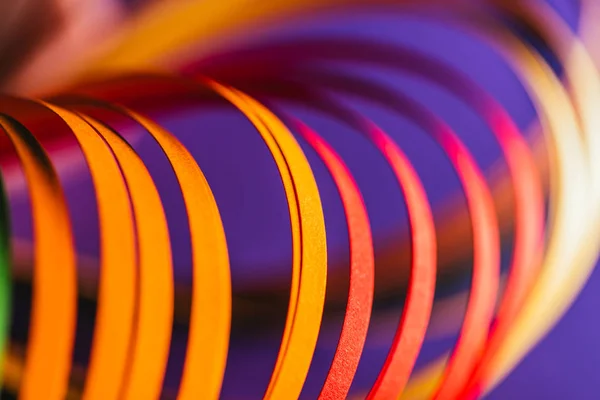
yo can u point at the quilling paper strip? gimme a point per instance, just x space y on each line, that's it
151 340
303 326
362 271
54 305
118 269
211 299
5 277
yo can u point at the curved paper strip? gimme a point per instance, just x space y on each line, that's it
210 320
51 337
417 309
118 268
151 342
5 278
486 269
362 271
310 254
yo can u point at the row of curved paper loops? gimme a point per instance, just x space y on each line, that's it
133 326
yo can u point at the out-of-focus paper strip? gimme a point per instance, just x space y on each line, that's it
54 306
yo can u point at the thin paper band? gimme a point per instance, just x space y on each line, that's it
52 333
152 338
310 254
362 271
118 269
5 277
